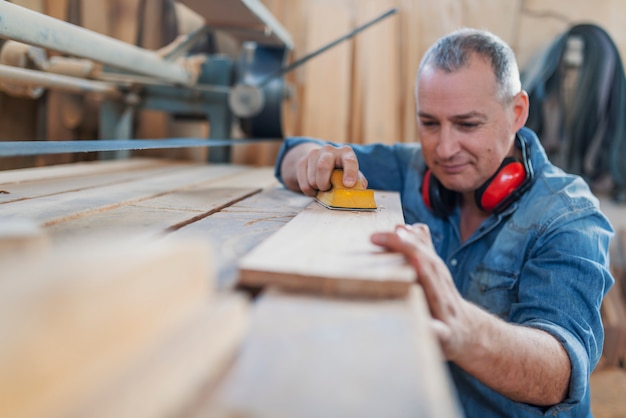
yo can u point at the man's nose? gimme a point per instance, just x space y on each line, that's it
447 143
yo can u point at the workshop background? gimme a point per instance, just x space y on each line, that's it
360 91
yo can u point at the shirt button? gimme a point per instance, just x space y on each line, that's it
454 262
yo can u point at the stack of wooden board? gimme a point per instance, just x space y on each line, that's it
147 197
341 330
108 306
109 269
112 327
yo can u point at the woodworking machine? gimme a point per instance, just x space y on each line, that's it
247 88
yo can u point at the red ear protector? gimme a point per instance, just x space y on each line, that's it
508 183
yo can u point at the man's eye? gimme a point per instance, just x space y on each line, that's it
429 123
469 125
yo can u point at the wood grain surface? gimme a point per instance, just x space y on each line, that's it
329 251
308 356
73 317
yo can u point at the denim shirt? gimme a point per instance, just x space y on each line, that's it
542 262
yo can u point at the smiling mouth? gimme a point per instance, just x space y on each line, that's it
452 168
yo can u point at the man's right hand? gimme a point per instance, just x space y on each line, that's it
308 167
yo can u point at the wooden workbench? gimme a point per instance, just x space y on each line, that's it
296 355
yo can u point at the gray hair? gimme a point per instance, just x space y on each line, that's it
454 51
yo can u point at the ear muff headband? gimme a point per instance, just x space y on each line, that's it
436 197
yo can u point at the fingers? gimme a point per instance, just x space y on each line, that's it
350 167
302 173
364 181
415 244
405 239
314 169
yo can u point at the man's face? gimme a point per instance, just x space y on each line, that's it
464 129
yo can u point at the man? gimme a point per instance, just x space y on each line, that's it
510 250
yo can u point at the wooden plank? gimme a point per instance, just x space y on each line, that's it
410 58
168 212
71 319
80 182
506 23
330 251
245 20
36 5
153 217
324 115
168 377
239 228
377 61
314 357
48 210
78 169
124 20
20 237
57 8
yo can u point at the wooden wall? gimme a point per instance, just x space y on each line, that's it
362 90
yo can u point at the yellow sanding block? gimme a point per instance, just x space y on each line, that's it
346 198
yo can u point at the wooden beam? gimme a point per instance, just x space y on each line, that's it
241 227
329 251
151 198
77 169
72 319
50 209
85 178
326 98
19 237
168 377
245 20
377 76
308 356
167 212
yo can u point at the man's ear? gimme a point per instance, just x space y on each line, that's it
521 105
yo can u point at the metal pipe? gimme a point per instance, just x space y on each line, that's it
34 78
24 25
22 148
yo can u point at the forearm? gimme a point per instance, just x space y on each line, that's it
525 364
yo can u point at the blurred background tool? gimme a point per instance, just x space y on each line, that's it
189 77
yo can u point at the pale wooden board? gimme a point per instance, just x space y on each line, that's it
329 251
51 209
21 237
152 217
377 59
410 26
82 168
75 316
166 380
237 229
330 72
309 356
170 211
246 20
82 178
